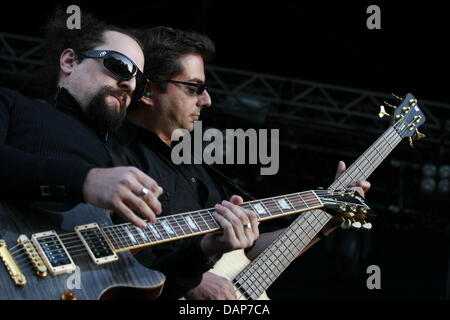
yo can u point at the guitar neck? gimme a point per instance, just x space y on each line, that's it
267 267
124 237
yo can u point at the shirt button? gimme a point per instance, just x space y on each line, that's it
193 180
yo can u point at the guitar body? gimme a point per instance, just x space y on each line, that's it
230 265
89 281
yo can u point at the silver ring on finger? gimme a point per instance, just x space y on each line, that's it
143 192
247 226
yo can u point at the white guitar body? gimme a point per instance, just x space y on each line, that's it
230 265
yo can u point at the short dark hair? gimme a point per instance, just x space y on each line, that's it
163 47
59 38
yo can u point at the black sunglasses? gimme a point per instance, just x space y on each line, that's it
201 87
121 66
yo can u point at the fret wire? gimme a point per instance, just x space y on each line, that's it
154 231
122 235
119 238
291 256
324 215
276 203
206 223
107 235
286 260
187 224
161 229
150 235
174 226
269 212
193 221
370 153
181 228
201 223
289 202
303 200
169 226
137 236
128 241
210 215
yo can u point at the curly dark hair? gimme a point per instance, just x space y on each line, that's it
59 37
163 46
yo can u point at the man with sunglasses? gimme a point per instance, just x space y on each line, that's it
174 99
55 152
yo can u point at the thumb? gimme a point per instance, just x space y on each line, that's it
340 169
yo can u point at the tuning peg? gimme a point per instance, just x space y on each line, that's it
366 225
412 102
356 225
418 136
383 112
346 224
396 97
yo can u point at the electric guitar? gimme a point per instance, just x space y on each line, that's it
252 278
80 254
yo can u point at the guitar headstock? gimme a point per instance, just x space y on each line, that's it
407 117
348 208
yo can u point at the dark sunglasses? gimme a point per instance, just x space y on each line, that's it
121 66
201 87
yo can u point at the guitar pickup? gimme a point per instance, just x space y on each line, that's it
53 252
96 243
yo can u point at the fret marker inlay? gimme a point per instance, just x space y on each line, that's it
259 208
130 235
167 227
155 232
283 204
191 223
141 233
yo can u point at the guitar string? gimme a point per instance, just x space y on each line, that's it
260 200
239 286
73 237
349 174
80 247
276 242
296 202
202 213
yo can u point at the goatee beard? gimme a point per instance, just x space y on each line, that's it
102 117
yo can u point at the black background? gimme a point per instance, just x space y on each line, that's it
329 43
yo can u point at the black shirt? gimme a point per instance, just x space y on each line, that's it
46 150
187 187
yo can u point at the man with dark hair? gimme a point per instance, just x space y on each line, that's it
174 100
56 152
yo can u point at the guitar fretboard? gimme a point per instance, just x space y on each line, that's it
266 268
126 236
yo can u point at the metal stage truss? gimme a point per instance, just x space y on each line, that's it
303 110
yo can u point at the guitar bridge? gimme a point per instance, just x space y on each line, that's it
11 265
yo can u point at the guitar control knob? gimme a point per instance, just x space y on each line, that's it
69 295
